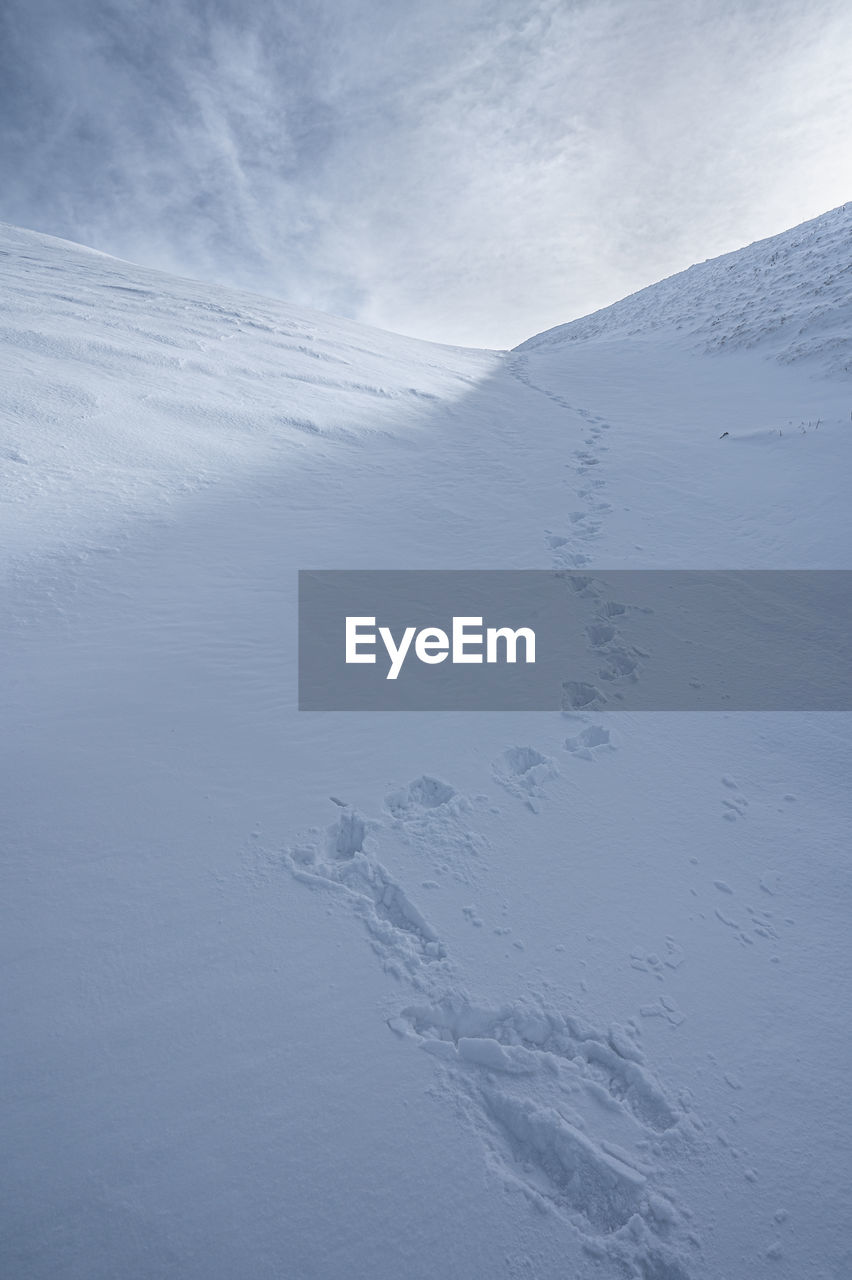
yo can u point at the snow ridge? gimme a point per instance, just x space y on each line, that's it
789 295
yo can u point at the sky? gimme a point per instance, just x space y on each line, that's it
469 171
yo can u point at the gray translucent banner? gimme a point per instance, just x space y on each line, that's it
638 640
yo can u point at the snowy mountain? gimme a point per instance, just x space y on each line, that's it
789 296
361 995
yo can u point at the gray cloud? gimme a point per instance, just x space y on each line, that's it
471 171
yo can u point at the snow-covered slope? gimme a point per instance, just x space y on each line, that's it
123 388
364 995
789 296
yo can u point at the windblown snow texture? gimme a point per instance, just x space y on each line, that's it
358 996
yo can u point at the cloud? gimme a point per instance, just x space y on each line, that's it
471 171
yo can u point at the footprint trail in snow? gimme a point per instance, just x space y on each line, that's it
567 1113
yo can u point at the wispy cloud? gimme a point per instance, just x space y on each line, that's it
472 171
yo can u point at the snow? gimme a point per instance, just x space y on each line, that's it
789 296
361 995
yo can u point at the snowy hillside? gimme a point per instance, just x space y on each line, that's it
789 296
351 995
124 387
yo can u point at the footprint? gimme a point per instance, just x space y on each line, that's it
524 771
423 794
590 743
582 585
433 819
620 664
563 556
576 695
601 633
530 1081
340 863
